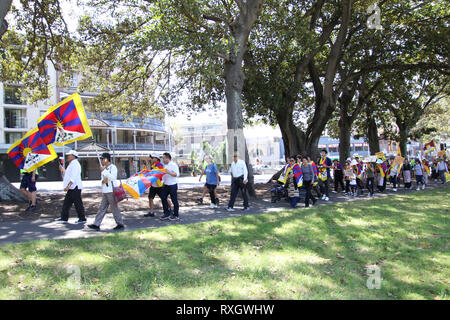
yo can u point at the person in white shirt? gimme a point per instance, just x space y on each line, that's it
108 180
170 180
72 185
239 174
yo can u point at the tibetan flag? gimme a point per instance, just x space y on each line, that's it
359 168
159 165
64 123
298 174
323 171
430 146
426 165
284 176
316 173
31 152
384 167
140 182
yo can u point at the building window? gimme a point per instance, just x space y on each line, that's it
12 95
11 137
15 118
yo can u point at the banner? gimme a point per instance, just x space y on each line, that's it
30 152
64 123
428 147
397 165
136 185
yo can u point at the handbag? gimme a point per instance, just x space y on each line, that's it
119 192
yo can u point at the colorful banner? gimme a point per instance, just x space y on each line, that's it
30 152
64 123
298 174
397 165
316 173
323 171
426 166
428 147
383 167
137 184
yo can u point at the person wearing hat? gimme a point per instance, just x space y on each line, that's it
239 181
73 185
155 189
108 180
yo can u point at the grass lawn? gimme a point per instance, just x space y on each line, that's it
315 253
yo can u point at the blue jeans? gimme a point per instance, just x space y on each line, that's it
172 190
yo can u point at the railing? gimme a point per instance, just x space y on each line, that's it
19 122
124 146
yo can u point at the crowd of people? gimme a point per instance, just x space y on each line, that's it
355 176
301 177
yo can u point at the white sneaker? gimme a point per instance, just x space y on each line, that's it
334 191
423 187
212 206
230 209
395 189
326 198
418 188
323 197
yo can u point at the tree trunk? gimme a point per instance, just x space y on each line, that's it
403 139
8 191
234 78
5 6
344 138
372 136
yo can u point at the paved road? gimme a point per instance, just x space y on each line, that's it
20 231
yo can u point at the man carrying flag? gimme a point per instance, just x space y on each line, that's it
72 185
156 189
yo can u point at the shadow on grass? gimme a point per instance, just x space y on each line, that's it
178 260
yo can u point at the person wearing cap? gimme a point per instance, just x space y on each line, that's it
155 189
109 181
73 185
170 187
239 174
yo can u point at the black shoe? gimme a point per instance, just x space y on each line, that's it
118 227
149 214
31 208
200 200
246 209
174 218
93 226
81 221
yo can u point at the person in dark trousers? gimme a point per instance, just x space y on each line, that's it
370 178
338 176
308 178
239 174
29 182
212 180
170 188
324 167
72 185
